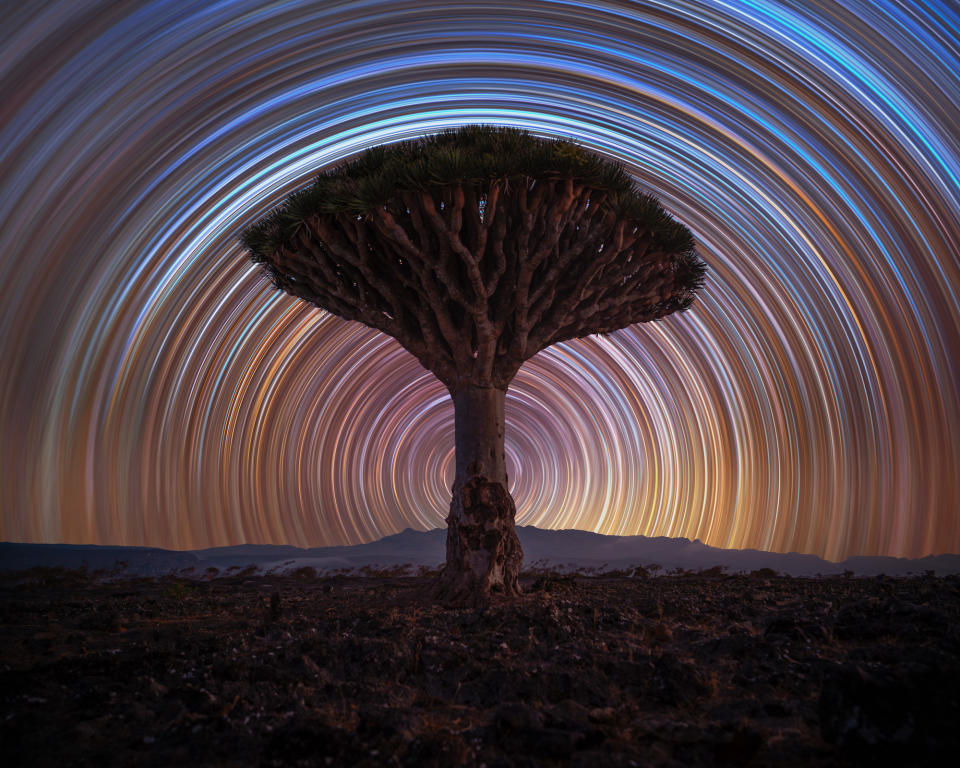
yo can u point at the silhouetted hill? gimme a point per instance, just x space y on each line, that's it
562 550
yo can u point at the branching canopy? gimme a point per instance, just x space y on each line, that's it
478 247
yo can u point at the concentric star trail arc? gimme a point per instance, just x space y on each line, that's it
155 390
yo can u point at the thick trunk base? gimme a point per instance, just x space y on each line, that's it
483 552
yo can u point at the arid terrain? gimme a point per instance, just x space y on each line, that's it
617 670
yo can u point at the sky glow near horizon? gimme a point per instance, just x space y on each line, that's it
155 390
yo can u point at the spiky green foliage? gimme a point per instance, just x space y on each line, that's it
477 247
474 154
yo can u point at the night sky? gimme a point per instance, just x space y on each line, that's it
156 390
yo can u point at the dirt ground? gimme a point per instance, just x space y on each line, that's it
676 670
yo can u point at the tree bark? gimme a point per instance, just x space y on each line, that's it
483 551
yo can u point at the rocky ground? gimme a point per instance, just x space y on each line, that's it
677 670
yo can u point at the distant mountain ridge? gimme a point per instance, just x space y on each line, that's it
562 550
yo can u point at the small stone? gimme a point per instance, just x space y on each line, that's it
659 633
517 716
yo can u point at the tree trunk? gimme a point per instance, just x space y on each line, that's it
483 551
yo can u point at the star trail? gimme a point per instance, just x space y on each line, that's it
156 390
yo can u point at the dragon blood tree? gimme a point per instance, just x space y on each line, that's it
475 249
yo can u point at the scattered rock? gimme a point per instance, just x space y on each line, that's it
654 670
908 712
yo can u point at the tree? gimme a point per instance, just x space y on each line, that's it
475 249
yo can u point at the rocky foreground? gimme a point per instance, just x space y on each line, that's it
676 670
